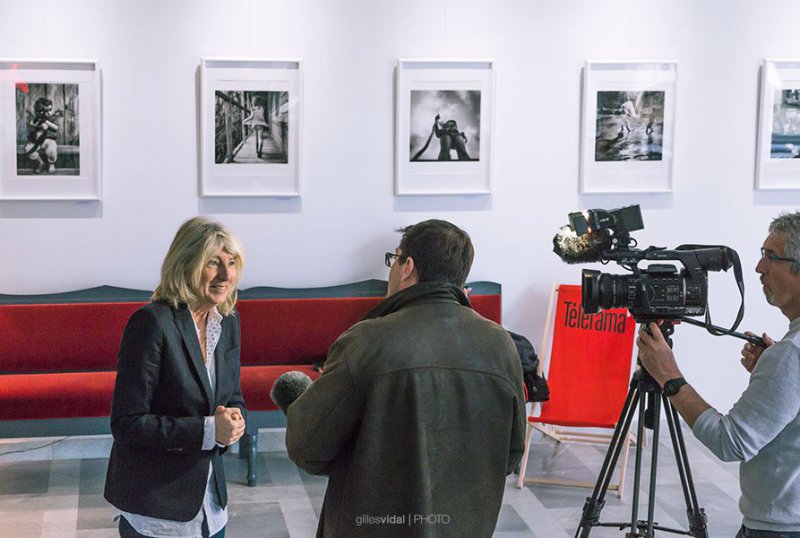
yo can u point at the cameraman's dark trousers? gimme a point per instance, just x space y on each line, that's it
744 532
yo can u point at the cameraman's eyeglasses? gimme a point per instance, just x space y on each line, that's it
772 258
389 257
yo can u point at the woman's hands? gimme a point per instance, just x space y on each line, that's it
229 424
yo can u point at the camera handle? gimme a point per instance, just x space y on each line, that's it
719 331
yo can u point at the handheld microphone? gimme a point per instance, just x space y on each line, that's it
288 387
586 248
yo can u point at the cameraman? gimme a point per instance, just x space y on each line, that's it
762 429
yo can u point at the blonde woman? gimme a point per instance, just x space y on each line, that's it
177 399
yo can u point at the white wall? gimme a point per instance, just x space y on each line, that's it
338 231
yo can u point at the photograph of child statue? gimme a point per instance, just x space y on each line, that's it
630 126
48 134
251 127
785 143
452 118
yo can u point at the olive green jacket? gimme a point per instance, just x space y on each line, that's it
417 420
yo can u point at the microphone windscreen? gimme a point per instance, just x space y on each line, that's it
288 387
586 248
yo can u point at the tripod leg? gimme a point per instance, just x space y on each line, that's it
651 500
616 444
637 472
696 515
594 504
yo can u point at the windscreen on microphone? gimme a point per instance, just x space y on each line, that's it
586 248
288 387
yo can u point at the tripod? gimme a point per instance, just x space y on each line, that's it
644 386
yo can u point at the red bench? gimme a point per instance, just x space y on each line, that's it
59 352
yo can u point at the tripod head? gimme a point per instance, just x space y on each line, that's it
642 377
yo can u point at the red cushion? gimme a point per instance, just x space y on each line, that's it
296 331
271 327
45 396
34 396
300 331
62 337
257 381
488 306
79 343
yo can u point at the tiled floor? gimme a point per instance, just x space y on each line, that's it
63 497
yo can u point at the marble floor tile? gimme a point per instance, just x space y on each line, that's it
60 497
27 477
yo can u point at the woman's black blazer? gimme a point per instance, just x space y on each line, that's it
157 467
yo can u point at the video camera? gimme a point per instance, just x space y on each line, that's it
658 291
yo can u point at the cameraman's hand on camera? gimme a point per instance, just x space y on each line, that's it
752 352
655 354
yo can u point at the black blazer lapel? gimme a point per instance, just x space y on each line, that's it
183 319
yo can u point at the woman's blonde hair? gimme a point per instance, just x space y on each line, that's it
197 241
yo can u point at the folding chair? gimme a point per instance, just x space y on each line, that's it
588 371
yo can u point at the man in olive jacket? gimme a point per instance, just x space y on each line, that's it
419 415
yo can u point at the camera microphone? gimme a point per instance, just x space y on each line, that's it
586 248
288 387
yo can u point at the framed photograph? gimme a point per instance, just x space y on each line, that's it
444 117
779 126
250 119
628 126
50 123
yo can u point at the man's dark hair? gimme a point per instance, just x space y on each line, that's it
441 251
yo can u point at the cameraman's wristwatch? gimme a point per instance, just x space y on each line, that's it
672 386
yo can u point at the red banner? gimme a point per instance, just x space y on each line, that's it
590 363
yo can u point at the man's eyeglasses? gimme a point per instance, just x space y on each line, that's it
389 258
772 257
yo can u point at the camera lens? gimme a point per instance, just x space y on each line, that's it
602 291
614 291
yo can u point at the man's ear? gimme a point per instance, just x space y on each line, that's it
409 271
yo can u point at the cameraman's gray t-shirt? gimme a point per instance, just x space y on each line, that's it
762 430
